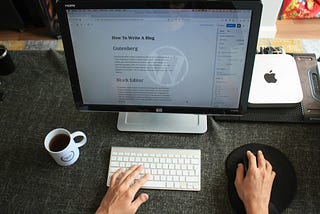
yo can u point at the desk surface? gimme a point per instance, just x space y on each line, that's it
38 98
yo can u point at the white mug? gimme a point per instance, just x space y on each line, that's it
62 147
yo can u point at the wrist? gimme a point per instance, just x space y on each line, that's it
257 209
102 210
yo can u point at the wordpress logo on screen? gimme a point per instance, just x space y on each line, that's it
167 66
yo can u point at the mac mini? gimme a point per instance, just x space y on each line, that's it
275 82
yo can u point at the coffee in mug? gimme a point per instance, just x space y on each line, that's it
59 142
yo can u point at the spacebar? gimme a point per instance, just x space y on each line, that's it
154 184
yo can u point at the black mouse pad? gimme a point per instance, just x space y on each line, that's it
285 183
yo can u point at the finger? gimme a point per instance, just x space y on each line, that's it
261 160
127 173
252 160
273 175
134 174
268 166
143 197
139 183
239 174
115 176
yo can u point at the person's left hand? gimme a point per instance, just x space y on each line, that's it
120 195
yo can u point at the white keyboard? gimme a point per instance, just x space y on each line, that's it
170 169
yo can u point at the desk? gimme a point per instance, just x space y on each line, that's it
37 98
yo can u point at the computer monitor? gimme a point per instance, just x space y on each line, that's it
164 65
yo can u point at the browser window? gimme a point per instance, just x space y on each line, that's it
162 57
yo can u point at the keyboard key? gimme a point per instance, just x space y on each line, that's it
159 184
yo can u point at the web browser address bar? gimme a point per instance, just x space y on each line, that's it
119 19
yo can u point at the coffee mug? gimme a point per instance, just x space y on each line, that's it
61 145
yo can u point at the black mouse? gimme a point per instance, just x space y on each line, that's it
285 183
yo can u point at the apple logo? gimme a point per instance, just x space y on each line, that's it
270 77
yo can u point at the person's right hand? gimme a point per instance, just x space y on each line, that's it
120 197
254 189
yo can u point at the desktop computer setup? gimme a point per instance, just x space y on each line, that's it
164 66
160 61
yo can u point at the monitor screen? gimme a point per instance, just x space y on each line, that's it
160 56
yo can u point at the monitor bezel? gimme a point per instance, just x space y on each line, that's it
254 5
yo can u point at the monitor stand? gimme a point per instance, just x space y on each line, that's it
162 122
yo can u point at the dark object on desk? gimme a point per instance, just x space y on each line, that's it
6 64
285 183
286 115
310 81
